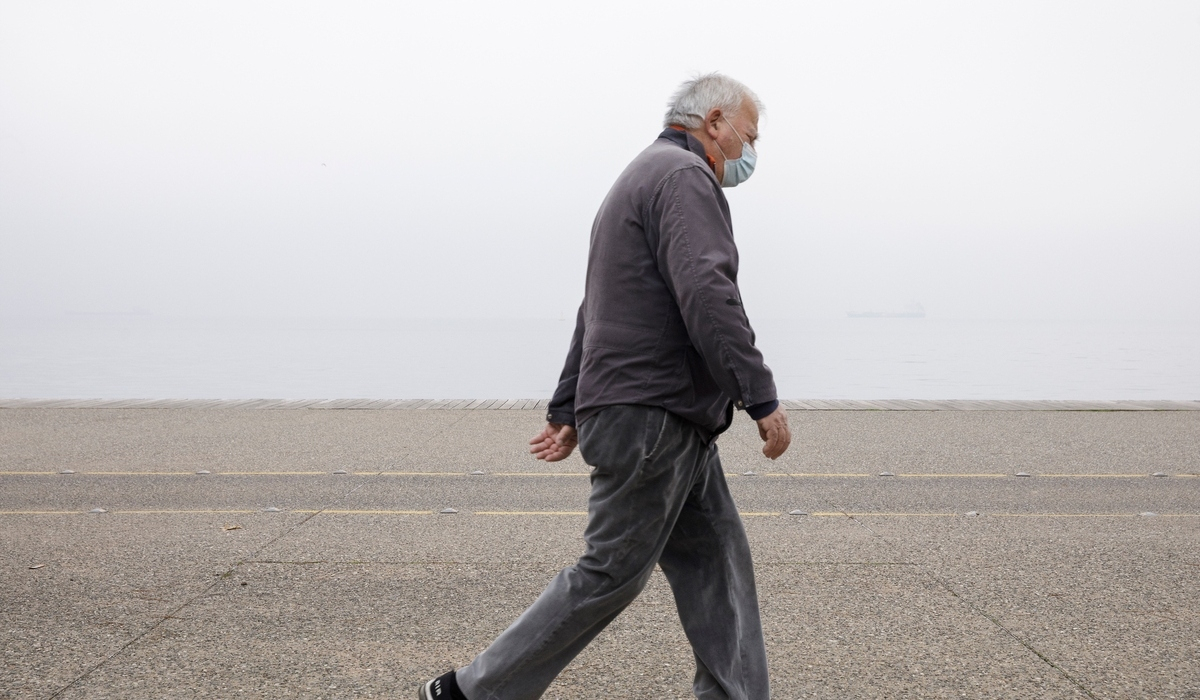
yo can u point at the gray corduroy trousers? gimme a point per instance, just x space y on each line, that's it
658 497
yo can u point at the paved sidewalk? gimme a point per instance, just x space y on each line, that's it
951 578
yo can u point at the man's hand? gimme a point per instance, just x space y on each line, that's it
773 429
555 442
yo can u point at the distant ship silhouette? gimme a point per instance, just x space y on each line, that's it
910 311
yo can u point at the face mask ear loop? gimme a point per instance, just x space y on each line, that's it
740 139
722 150
718 143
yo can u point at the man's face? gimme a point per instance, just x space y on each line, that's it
744 123
725 143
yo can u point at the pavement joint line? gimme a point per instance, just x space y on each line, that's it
173 614
925 568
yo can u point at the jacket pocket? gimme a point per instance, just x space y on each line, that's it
656 427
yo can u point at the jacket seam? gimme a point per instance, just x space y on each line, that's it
662 184
742 388
658 191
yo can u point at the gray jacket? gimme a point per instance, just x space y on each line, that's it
661 323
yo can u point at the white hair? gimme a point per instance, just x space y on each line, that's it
703 93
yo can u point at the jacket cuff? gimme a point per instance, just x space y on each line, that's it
761 410
561 417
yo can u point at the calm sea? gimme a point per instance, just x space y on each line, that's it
105 356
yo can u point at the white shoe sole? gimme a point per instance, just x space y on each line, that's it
425 692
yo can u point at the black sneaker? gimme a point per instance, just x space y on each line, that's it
443 687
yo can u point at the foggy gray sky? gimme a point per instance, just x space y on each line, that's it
1017 159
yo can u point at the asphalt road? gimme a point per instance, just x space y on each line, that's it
273 575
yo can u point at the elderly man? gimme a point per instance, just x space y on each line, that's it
661 356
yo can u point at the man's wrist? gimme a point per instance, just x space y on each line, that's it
561 417
761 410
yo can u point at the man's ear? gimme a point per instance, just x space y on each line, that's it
710 122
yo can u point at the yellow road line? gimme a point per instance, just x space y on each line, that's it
814 474
1063 515
41 512
27 473
958 476
296 473
1090 515
1097 476
367 512
176 512
89 473
1005 515
542 474
120 512
383 473
145 473
531 512
829 514
804 475
889 515
485 474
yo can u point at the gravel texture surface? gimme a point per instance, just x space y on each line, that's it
954 578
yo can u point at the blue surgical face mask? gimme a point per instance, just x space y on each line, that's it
738 170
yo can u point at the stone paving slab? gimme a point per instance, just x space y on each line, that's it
121 494
101 581
246 440
991 442
238 440
890 632
1112 601
958 496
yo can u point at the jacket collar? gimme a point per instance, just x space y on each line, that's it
683 139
